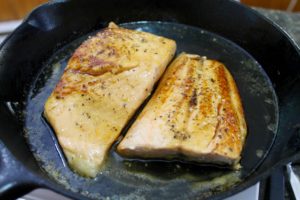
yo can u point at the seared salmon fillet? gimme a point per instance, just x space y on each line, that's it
195 112
107 78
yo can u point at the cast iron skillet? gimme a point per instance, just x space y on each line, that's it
260 56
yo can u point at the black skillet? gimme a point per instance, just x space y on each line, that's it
263 60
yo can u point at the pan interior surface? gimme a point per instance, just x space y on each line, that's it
129 179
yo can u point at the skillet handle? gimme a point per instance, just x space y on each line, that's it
15 179
18 169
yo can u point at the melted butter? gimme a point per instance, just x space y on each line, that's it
222 182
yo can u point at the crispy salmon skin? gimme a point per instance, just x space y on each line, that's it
105 81
196 112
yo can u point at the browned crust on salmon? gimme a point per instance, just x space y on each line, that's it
196 112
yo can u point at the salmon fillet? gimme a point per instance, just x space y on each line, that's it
106 80
195 113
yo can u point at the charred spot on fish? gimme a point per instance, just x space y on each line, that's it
193 100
